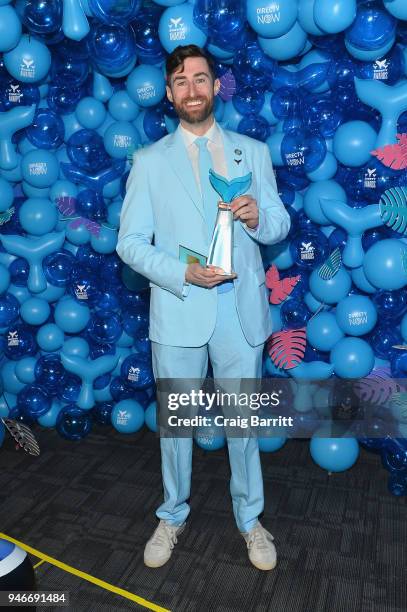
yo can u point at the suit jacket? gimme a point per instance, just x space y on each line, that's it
163 209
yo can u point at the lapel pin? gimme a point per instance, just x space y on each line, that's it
238 152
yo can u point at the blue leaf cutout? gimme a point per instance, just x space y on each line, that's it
331 266
393 209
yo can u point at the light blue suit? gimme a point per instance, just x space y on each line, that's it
162 210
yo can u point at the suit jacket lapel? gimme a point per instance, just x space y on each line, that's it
178 158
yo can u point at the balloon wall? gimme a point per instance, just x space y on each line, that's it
322 82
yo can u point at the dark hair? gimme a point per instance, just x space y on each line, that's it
176 59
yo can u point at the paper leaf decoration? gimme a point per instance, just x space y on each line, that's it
331 266
394 155
280 289
286 348
23 436
377 388
6 215
393 209
67 207
227 86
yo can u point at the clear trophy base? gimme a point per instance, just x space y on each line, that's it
221 247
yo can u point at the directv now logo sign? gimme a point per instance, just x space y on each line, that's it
268 14
12 338
177 29
370 178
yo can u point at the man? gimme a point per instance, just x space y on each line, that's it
194 312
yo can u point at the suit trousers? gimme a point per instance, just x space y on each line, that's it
232 357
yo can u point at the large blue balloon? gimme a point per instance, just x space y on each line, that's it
29 61
356 315
176 27
112 48
334 454
353 142
385 264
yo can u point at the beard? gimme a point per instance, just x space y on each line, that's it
194 114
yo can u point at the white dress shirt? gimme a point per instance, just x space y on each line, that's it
215 148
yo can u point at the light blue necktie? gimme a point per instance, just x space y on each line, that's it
209 196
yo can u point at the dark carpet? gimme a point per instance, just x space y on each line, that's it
341 539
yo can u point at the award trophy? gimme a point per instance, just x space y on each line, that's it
221 248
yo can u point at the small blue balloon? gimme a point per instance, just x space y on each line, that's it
176 26
86 150
29 61
50 337
105 327
90 113
120 13
309 248
102 413
120 138
20 342
356 315
323 331
127 416
150 416
372 28
331 290
49 418
385 264
35 311
112 48
146 85
38 216
73 423
49 373
58 267
40 168
352 358
47 130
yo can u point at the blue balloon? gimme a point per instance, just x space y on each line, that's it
90 113
47 130
49 418
10 28
86 150
25 370
114 12
352 358
332 290
329 189
20 342
63 100
112 48
71 389
323 331
248 100
122 107
49 373
334 16
148 46
105 327
146 85
154 124
356 315
384 264
309 248
303 150
334 454
150 416
73 423
383 338
254 126
70 316
4 278
271 20
38 216
134 318
127 416
270 445
120 138
136 371
176 26
10 382
41 17
390 305
50 337
29 61
102 413
353 142
35 311
294 314
40 168
34 401
372 29
58 267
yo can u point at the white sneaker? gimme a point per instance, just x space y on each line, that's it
262 552
159 547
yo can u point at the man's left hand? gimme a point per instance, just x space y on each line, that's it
245 209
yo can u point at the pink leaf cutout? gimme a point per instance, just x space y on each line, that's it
378 387
280 289
66 205
286 348
395 155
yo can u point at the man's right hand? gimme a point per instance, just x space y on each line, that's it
205 277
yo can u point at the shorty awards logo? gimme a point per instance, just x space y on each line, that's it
81 292
370 178
27 68
12 338
14 93
307 250
177 29
134 374
269 13
381 69
122 417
